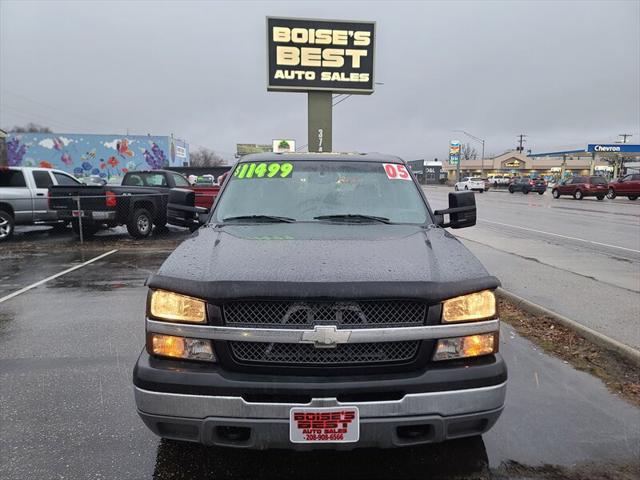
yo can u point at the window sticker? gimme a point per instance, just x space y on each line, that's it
396 172
263 170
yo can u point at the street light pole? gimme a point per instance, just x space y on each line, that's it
477 139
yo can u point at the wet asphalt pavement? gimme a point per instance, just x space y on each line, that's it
67 349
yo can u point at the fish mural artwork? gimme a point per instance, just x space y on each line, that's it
84 155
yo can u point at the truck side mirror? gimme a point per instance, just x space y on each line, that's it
182 210
461 211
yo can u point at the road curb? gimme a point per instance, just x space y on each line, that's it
625 351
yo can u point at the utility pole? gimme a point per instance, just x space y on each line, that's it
520 142
620 159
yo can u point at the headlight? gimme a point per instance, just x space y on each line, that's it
465 347
177 308
181 347
475 306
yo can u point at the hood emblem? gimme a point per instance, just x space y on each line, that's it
326 336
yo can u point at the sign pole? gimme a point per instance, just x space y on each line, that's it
320 121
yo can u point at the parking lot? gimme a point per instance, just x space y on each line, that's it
68 345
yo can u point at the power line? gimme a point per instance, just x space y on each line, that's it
624 136
58 110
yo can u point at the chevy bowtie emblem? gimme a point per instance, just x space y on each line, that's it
326 336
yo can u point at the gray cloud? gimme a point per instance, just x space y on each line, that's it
564 73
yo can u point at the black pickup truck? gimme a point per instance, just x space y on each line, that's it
321 304
139 202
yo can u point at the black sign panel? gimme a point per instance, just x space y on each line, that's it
332 55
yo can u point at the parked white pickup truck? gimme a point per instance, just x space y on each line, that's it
500 180
24 197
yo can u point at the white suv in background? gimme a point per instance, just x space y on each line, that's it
470 183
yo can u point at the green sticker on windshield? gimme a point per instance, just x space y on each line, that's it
264 170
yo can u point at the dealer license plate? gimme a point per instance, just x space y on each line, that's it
324 425
100 215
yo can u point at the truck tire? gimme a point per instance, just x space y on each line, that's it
140 223
88 231
6 225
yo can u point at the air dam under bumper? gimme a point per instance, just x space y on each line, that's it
415 419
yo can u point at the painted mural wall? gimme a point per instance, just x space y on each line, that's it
84 155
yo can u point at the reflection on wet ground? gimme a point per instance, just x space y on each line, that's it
464 458
66 353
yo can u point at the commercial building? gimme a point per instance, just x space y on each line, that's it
428 171
106 156
609 160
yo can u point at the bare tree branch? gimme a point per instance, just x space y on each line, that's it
203 157
31 128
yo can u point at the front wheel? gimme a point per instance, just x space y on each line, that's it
526 191
600 197
632 197
541 192
140 223
510 189
578 195
6 225
611 193
555 193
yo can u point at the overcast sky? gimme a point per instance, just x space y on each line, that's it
564 73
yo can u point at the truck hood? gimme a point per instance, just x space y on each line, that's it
322 261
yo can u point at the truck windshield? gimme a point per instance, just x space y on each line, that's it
358 192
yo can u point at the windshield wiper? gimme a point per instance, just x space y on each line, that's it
263 218
353 216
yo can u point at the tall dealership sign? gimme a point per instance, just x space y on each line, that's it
320 57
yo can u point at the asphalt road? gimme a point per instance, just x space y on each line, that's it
578 258
68 346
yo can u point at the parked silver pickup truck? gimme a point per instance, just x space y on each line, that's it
24 197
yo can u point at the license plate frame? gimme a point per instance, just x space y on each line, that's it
324 425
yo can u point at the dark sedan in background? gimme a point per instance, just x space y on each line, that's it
528 184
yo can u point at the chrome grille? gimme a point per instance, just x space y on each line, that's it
301 354
364 314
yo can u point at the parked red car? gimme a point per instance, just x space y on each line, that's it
581 187
628 186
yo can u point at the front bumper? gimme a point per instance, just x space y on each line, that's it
213 407
233 422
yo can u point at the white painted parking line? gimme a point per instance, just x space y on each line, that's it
68 270
562 236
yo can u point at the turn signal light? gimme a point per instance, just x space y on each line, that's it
177 308
465 347
181 347
475 306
